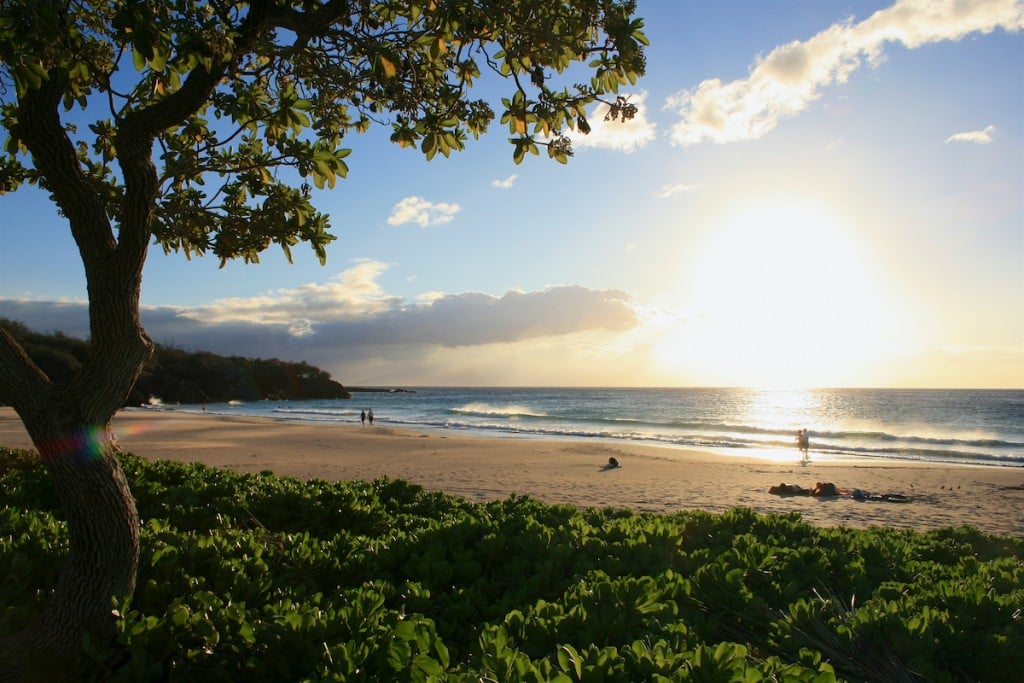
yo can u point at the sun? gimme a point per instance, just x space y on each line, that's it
780 294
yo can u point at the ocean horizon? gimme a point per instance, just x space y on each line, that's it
967 426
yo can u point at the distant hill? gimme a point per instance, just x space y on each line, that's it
176 376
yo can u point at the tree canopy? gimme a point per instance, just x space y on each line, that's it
207 106
204 125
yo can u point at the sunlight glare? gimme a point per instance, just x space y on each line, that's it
780 296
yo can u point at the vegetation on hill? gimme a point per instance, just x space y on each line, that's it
261 578
176 376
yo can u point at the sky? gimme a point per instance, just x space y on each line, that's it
814 193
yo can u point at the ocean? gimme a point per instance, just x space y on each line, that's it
983 427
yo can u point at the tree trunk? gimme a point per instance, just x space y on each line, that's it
70 425
104 548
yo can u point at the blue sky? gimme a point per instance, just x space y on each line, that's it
814 194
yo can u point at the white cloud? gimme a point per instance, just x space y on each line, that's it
505 183
429 297
790 78
350 294
422 212
981 137
667 191
624 136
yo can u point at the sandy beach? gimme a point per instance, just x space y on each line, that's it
650 479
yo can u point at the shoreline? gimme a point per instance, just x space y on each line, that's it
656 479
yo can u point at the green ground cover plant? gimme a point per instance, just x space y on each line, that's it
264 578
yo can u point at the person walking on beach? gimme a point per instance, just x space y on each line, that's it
369 416
803 441
362 417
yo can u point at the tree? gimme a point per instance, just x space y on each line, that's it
199 125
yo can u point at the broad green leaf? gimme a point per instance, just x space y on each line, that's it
429 145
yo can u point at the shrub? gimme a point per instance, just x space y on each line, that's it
270 578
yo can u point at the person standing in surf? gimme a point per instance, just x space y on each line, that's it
803 442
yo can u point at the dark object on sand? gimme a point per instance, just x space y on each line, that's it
785 489
828 489
824 488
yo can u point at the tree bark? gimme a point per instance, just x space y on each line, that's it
104 548
70 427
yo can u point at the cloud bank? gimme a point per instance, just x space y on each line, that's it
351 321
791 77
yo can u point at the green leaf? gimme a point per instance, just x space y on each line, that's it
398 654
426 666
569 659
180 615
159 59
429 145
519 153
247 633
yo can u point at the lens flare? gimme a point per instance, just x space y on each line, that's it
84 446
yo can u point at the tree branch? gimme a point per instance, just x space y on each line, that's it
137 129
54 156
23 385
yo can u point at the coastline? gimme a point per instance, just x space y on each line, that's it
650 479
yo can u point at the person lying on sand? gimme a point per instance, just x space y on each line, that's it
785 489
828 489
612 464
824 488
